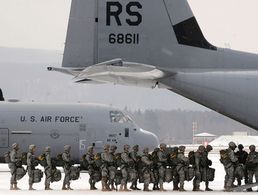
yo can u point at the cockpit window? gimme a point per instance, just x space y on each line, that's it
118 117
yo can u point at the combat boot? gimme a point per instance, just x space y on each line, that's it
155 187
181 189
15 187
146 188
126 189
68 187
64 187
48 188
208 189
121 188
11 187
162 188
227 189
30 187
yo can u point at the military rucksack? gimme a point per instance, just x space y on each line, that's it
191 157
84 165
224 156
56 175
75 173
20 172
42 160
7 158
37 175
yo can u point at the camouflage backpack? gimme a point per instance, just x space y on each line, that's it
84 165
224 157
191 158
37 175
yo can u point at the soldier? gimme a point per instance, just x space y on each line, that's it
31 164
180 168
91 167
198 155
66 156
155 169
229 165
146 170
242 156
113 168
173 162
48 168
126 162
13 166
252 165
134 155
106 159
206 163
162 163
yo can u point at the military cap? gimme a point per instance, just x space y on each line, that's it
135 147
31 147
47 149
232 144
201 148
67 148
162 145
181 148
145 150
209 147
90 148
15 146
106 147
252 147
126 147
113 147
240 146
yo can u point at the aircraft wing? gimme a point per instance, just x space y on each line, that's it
117 71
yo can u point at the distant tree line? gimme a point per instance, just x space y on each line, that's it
175 126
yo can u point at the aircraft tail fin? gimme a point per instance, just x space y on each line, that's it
153 32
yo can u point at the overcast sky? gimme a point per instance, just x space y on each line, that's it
42 24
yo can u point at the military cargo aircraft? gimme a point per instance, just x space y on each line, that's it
158 43
78 125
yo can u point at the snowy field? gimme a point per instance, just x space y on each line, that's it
81 186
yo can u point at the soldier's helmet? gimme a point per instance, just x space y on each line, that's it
106 147
126 147
181 148
209 148
136 147
15 146
31 147
113 148
240 146
252 148
145 150
232 145
90 148
201 148
47 149
67 148
163 146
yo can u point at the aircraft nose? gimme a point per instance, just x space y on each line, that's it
147 139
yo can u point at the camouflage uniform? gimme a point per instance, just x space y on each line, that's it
134 169
146 170
126 163
252 165
155 169
48 168
173 162
31 165
242 156
180 168
107 159
162 161
113 168
230 166
90 160
206 162
66 156
13 166
198 155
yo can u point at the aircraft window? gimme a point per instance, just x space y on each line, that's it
118 117
126 132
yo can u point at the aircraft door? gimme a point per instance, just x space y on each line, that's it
4 138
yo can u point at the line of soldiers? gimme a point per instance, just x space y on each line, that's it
113 169
162 165
239 165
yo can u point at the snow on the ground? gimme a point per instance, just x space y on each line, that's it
81 186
